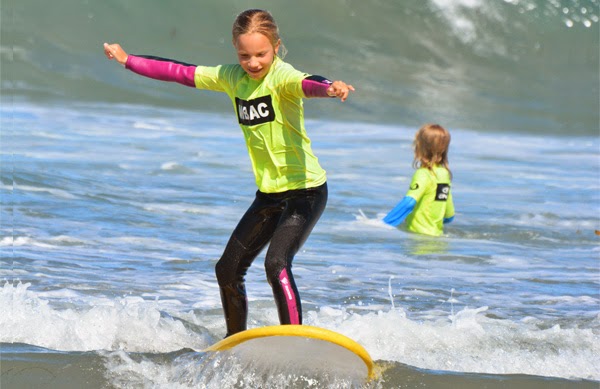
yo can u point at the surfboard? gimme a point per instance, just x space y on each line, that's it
277 333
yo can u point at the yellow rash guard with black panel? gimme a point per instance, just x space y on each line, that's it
271 116
428 204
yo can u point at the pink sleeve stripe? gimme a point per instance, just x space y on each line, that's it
312 88
163 70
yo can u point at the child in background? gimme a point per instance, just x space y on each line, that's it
267 94
428 204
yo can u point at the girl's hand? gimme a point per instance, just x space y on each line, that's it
340 89
114 51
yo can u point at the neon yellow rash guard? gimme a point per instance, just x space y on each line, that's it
432 193
271 115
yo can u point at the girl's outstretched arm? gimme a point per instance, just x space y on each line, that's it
340 89
116 52
157 68
317 86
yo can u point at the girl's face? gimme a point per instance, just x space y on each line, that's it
256 54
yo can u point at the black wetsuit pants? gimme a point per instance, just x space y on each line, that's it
286 220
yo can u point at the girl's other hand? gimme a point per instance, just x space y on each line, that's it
114 51
340 89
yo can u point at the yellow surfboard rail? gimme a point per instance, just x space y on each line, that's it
304 331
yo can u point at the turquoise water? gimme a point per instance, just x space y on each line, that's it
119 193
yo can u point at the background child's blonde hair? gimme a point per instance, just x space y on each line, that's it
431 147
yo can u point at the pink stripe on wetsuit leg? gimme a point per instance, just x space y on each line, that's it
163 70
290 297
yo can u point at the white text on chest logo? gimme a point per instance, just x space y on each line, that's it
255 111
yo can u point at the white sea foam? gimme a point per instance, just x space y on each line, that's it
14 241
176 167
466 341
469 341
122 324
21 241
28 188
148 126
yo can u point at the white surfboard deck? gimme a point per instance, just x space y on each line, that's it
298 345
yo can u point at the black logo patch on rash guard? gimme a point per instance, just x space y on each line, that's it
442 192
255 111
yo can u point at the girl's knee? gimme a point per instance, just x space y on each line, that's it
273 269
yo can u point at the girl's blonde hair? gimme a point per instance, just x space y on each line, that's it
257 21
431 147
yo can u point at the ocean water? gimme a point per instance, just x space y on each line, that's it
119 193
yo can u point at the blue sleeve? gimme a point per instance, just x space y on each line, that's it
400 211
448 219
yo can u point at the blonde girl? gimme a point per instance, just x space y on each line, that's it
266 94
428 203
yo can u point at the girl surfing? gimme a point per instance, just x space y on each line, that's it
266 94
